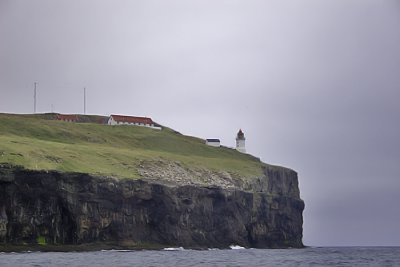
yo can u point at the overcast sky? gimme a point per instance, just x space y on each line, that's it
315 86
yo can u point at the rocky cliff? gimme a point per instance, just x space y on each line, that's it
47 207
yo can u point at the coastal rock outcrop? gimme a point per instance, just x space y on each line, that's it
50 207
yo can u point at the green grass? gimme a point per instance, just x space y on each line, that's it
36 142
41 240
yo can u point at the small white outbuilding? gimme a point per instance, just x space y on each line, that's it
213 142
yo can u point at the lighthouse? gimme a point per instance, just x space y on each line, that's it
240 142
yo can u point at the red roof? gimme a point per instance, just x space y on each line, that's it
240 135
63 117
130 119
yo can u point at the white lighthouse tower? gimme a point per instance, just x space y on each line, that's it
240 142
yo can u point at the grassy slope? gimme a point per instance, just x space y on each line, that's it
36 142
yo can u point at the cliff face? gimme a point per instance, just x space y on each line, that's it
66 208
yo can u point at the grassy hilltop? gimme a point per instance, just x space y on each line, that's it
38 142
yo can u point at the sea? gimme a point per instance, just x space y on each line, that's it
311 256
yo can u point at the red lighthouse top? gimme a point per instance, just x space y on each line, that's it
240 135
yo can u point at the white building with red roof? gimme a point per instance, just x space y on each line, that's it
132 120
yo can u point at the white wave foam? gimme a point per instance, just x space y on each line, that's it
174 249
236 247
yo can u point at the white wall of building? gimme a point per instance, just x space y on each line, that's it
216 144
111 121
241 145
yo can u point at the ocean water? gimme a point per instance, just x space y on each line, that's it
334 256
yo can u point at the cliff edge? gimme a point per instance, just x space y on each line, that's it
68 208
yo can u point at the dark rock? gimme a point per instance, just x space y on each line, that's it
69 208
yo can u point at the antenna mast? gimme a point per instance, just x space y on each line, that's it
84 100
34 98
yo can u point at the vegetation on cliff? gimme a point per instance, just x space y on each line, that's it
38 142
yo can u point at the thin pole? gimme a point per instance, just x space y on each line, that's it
84 100
34 98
